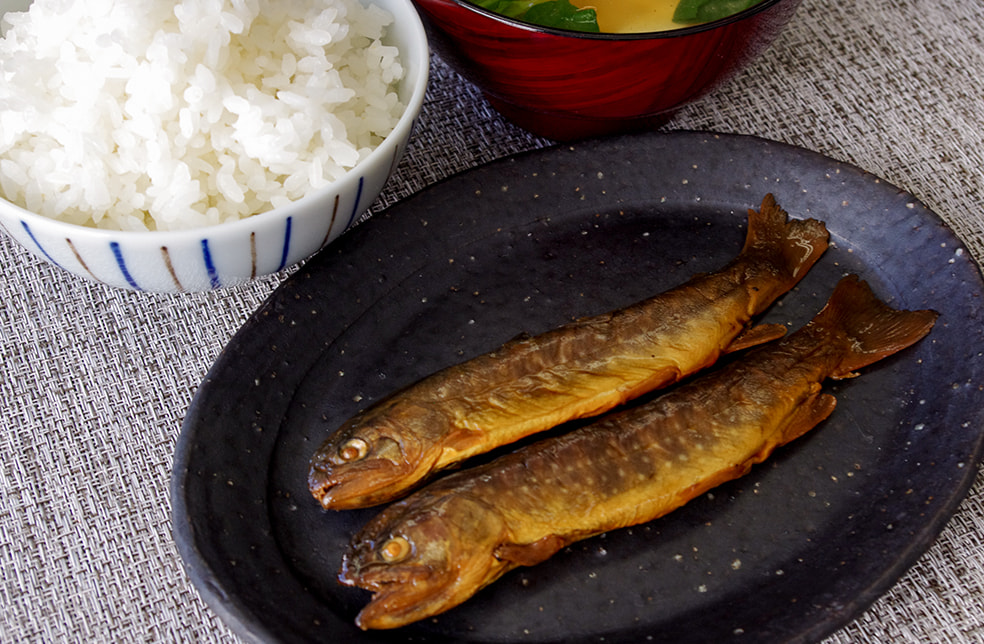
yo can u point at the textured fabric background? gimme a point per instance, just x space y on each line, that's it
96 381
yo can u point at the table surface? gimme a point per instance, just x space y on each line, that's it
97 380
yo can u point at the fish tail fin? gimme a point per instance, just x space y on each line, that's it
792 246
873 330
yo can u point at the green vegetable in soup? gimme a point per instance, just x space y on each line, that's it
699 11
563 15
508 8
560 14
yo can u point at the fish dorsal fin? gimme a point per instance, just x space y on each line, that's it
756 335
522 336
530 554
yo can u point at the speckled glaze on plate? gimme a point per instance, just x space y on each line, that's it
789 553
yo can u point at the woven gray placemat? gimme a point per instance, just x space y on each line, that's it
96 381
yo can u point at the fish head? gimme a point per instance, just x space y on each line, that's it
421 559
375 457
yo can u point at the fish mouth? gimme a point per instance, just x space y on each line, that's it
399 597
382 578
370 481
356 485
394 608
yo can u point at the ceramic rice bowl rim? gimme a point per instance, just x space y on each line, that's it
200 259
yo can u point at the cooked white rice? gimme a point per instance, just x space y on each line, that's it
163 115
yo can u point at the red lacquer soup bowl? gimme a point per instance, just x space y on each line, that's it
567 85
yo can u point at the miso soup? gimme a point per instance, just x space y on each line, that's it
632 16
616 16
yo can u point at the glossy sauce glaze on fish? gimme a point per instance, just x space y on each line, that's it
436 548
575 371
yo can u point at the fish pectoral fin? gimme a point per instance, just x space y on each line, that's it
462 440
808 415
657 379
530 554
756 335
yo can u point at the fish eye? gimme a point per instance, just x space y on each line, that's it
395 549
353 449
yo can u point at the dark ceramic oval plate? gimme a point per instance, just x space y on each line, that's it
791 552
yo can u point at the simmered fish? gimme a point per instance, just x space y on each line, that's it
437 547
578 370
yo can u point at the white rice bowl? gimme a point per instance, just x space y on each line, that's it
161 116
154 123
